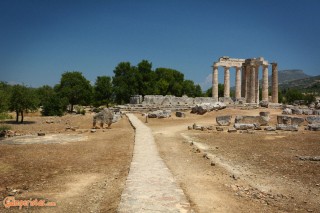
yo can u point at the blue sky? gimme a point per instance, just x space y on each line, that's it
41 39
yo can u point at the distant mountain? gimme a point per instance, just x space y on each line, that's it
289 75
310 84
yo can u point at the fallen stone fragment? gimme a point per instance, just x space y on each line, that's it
180 114
289 120
223 120
314 127
232 130
262 120
296 111
309 158
218 128
287 127
41 134
93 130
287 111
243 126
257 127
316 112
313 119
270 128
307 112
190 128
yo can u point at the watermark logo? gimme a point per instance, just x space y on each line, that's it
11 201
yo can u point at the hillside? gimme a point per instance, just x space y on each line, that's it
289 75
310 84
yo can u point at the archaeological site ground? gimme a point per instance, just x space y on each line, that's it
218 168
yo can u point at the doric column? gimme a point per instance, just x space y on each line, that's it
265 83
243 81
215 82
252 83
226 82
257 85
274 82
238 82
248 86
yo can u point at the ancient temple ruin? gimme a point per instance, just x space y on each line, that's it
247 79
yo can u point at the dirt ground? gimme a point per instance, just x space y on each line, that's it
86 172
83 175
257 172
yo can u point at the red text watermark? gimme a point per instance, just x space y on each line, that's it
12 202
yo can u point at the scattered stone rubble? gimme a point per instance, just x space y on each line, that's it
248 124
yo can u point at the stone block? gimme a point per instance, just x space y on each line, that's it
261 120
314 127
313 119
220 129
296 111
232 130
223 120
287 111
180 114
307 112
270 128
316 112
287 127
289 120
264 104
243 126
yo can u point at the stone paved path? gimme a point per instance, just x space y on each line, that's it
150 186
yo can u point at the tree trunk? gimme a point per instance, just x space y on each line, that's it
22 116
17 116
71 110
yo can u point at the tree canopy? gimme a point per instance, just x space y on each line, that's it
75 88
23 99
103 91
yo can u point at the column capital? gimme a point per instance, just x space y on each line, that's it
265 65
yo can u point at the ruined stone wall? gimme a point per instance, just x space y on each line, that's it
170 100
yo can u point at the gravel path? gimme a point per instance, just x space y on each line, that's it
150 186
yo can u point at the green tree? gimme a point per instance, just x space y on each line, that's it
293 94
173 78
54 105
103 90
44 93
146 78
22 100
4 96
208 92
75 88
125 82
190 89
